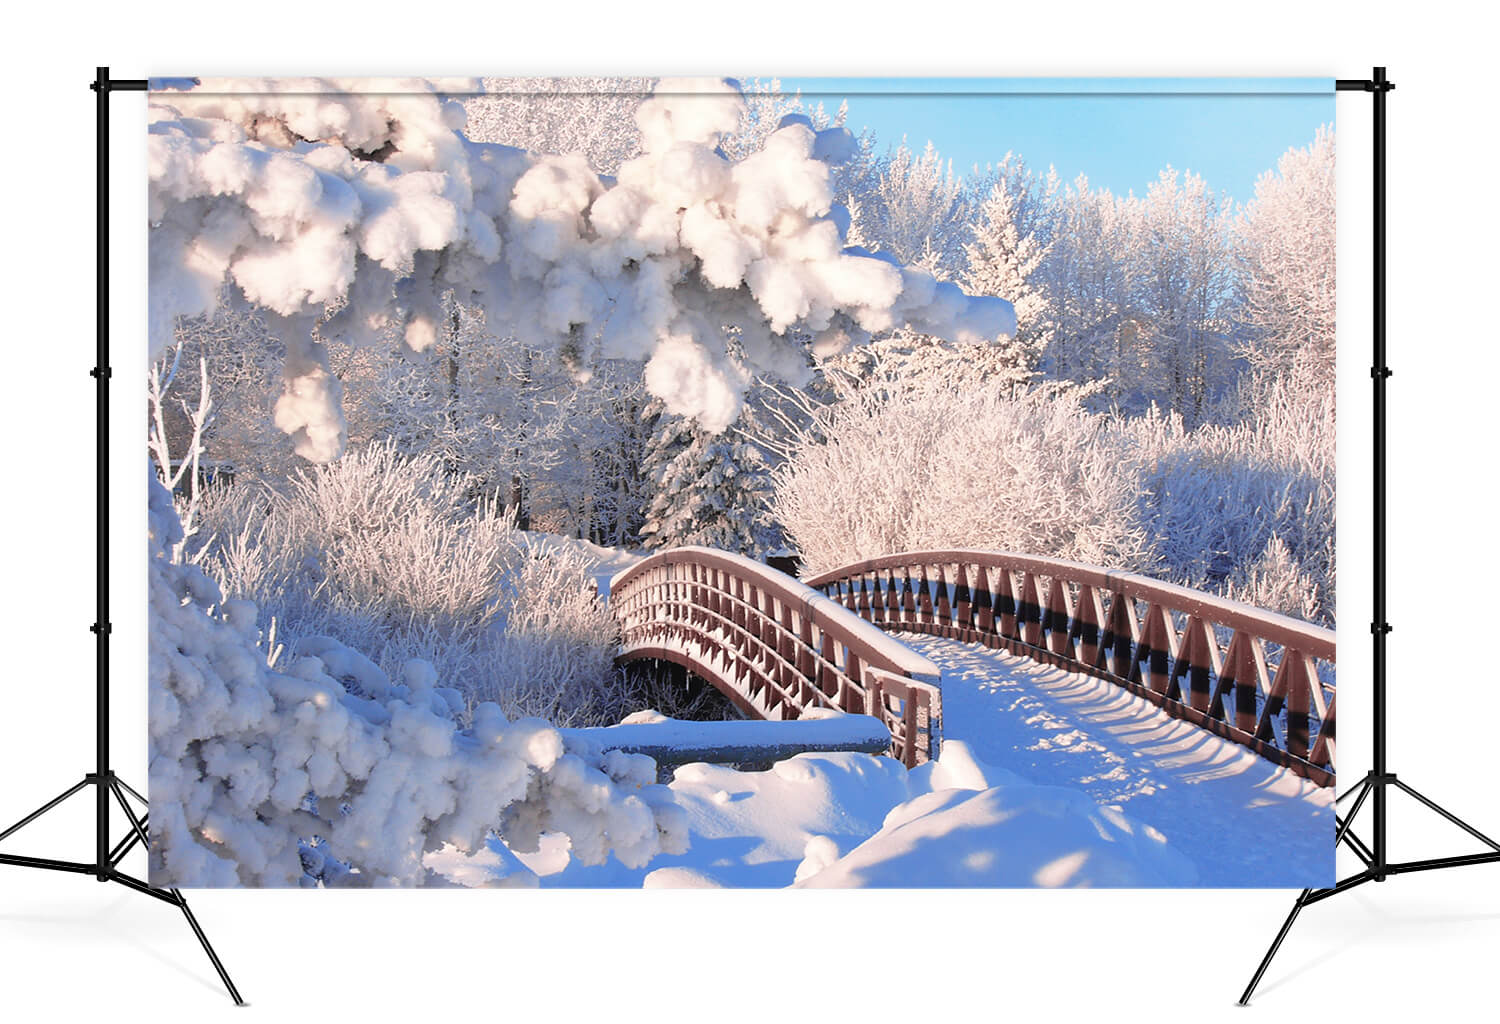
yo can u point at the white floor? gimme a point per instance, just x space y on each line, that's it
71 950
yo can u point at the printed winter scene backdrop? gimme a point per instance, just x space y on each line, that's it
741 482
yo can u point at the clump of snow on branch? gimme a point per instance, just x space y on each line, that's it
348 209
328 771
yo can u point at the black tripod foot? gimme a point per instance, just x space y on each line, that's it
208 948
1286 927
1376 867
106 868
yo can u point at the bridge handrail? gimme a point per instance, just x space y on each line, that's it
794 648
1272 626
1275 702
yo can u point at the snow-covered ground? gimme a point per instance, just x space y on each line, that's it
1047 778
848 820
1241 819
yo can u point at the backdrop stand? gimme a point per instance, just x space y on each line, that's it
106 787
1377 783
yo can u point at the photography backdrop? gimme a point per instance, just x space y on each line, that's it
1436 922
469 352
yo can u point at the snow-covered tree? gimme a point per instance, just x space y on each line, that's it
1287 258
1005 257
768 109
1185 288
918 210
1091 283
592 116
348 209
711 489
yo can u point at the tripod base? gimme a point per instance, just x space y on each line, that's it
1376 869
106 868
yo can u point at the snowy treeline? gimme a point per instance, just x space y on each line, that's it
1176 298
1165 406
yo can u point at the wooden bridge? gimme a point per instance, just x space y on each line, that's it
778 648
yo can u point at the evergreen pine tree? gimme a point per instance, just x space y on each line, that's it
1003 261
709 489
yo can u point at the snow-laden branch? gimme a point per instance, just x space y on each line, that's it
350 209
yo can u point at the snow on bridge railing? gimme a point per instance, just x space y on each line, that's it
773 646
1256 677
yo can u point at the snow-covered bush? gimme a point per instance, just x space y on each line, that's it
922 461
393 556
1247 510
554 656
901 465
329 772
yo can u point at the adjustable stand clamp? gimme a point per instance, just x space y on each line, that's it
1378 782
106 786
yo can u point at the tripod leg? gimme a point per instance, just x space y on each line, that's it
138 833
234 993
42 810
1271 953
126 787
1486 840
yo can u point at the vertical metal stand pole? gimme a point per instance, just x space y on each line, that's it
1376 854
101 374
106 858
1379 374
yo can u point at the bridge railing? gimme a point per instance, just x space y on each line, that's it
773 646
1258 678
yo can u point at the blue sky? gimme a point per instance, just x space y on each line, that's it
1228 130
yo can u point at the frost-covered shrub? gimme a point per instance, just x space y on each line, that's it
936 464
1247 510
555 653
924 461
394 556
1276 580
329 772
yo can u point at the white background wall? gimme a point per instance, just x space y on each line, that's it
70 948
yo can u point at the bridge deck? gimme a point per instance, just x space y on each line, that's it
1215 801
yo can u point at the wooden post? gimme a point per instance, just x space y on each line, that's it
984 599
1059 639
1029 611
943 610
1298 702
963 604
924 598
